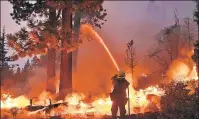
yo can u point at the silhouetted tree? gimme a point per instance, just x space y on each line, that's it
35 62
26 70
27 66
5 68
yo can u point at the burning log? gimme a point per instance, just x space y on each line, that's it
34 108
39 107
56 117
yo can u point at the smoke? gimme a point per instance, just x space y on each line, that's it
94 69
32 86
36 83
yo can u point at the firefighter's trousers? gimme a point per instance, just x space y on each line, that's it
121 105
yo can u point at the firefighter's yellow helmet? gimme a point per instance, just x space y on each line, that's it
121 73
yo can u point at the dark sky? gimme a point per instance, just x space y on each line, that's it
138 20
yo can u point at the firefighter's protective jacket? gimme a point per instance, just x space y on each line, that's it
119 90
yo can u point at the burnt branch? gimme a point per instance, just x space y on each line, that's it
155 55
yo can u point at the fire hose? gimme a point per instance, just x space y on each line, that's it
129 114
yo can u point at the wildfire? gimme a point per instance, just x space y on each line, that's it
141 101
100 106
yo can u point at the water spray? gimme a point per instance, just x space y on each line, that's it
103 44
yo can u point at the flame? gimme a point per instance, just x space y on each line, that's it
181 71
9 102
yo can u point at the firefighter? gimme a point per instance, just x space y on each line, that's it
118 95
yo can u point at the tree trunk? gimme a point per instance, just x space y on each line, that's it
50 86
189 34
51 71
198 60
77 22
65 86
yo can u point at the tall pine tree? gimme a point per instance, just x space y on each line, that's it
5 67
35 62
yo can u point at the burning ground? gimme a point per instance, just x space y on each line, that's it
76 104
